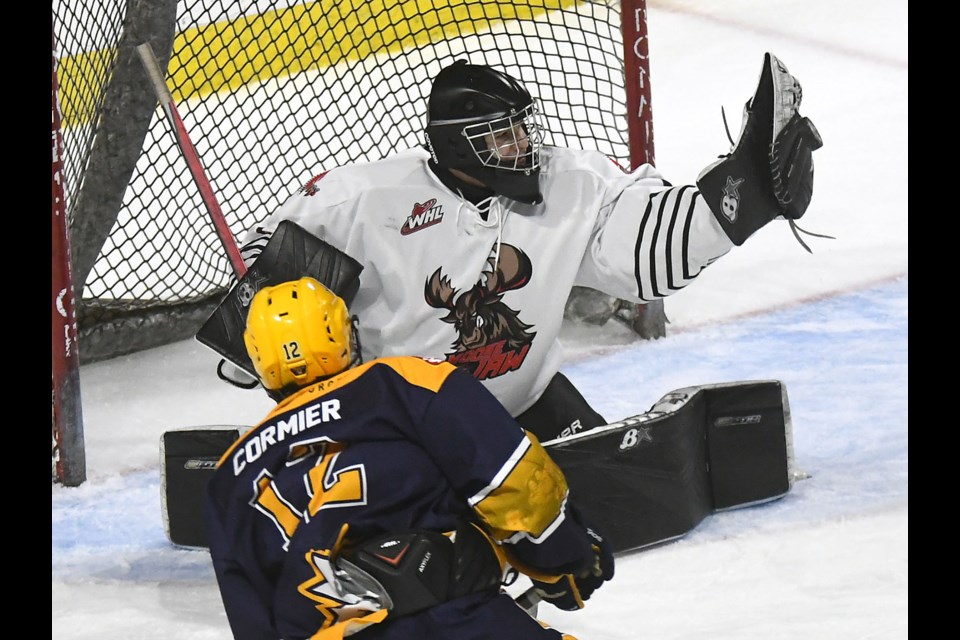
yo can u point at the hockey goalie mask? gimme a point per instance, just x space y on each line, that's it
298 332
487 125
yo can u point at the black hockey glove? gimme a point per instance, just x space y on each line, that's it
769 173
791 165
569 591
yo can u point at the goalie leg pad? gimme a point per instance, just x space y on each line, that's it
769 173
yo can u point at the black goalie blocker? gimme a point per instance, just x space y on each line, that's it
291 253
769 173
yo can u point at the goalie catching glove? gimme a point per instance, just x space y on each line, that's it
569 591
769 173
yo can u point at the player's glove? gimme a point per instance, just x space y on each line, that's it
791 165
569 591
769 173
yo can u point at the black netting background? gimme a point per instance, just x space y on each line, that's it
273 93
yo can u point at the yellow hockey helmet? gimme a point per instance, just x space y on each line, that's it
297 332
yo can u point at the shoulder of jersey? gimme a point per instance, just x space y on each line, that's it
429 373
561 160
352 179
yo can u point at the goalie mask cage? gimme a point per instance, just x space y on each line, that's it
273 93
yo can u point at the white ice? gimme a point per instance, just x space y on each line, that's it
829 560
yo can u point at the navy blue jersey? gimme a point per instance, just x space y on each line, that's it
392 445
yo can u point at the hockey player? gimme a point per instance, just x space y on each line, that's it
470 245
384 499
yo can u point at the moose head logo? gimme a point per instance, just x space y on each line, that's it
491 338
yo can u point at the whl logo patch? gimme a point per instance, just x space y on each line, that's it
423 216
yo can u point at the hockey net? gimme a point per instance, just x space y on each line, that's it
273 93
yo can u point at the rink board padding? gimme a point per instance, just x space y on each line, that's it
644 481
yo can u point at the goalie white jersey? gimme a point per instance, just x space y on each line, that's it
440 280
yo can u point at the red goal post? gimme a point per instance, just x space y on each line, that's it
69 456
636 72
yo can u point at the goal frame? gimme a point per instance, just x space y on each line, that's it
69 456
75 338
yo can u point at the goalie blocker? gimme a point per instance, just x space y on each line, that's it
646 480
291 253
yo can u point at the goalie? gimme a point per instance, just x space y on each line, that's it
384 498
471 244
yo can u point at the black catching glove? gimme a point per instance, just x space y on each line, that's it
769 173
569 591
791 165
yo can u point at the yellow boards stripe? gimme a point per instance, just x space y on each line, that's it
225 56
